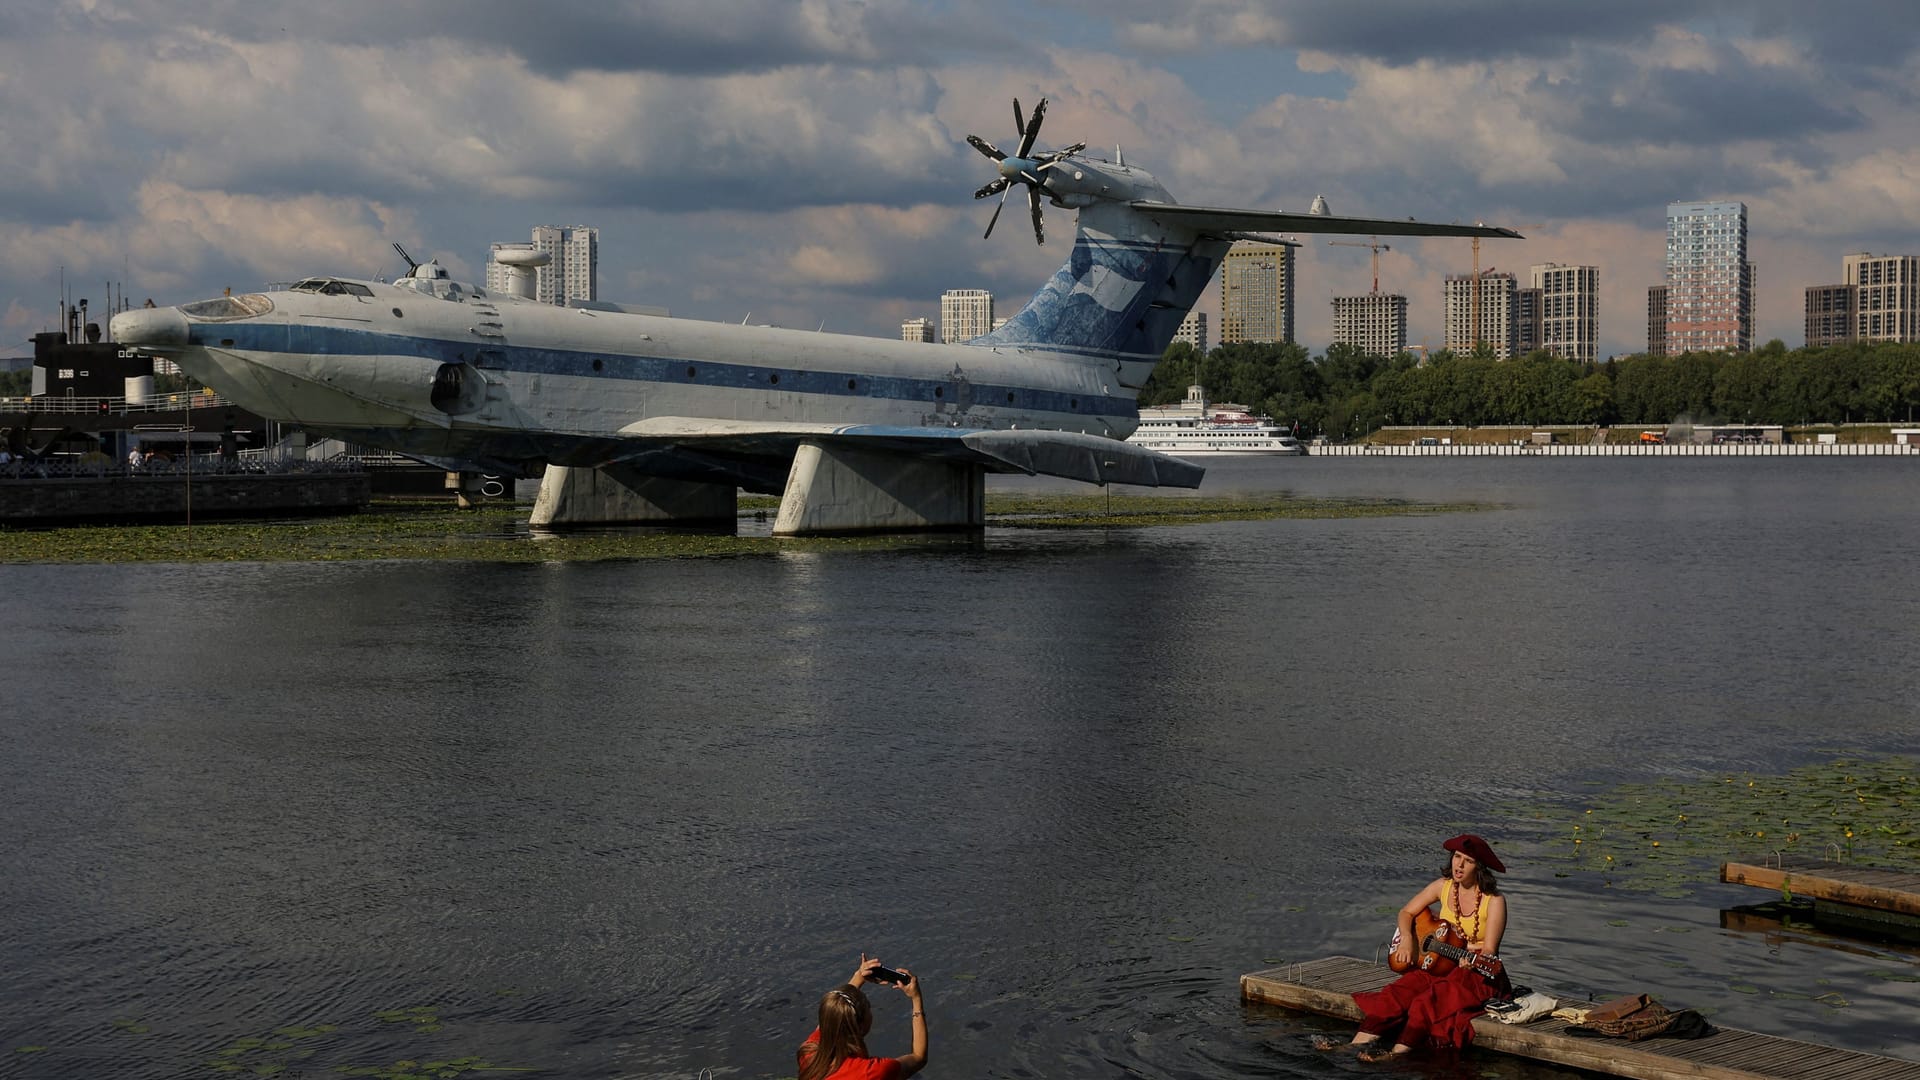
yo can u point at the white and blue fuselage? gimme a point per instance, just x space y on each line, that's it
453 374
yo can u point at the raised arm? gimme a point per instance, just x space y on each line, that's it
917 1060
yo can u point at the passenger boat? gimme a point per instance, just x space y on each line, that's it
1197 427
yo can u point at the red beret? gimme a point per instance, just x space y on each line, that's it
1476 849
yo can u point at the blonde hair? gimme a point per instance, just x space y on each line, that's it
845 1018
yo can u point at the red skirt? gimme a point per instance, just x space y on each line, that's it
1420 1011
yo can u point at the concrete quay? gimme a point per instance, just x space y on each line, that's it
34 500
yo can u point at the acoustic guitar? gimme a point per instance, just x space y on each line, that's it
1442 947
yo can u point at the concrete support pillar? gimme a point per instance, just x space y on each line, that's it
835 489
578 496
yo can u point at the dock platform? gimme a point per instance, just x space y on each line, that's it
1860 897
1325 986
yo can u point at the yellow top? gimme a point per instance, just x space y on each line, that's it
1473 926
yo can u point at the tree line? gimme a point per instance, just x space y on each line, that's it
1344 393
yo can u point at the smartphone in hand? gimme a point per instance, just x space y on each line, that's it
889 976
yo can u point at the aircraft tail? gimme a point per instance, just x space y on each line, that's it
1125 288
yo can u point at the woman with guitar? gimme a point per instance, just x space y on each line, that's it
1451 964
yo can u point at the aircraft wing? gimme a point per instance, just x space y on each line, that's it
1214 219
758 454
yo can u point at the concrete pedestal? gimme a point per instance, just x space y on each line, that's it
834 489
576 496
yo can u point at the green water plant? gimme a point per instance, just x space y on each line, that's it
424 1018
499 533
1669 836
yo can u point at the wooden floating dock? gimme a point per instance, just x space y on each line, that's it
1856 896
1326 986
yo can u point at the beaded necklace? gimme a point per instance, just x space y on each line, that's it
1471 925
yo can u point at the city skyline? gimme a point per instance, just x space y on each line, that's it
806 162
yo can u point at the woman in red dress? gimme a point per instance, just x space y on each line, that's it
837 1049
1418 1010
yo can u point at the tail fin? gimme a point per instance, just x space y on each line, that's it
1123 291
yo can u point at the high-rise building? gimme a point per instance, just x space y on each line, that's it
1526 320
1374 323
1497 306
573 269
916 330
1709 278
1887 301
1656 320
1569 310
965 314
1193 331
1830 314
1257 292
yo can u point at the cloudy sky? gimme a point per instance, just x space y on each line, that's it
803 160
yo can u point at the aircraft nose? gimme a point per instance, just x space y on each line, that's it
157 327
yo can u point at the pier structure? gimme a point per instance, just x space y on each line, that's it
1326 986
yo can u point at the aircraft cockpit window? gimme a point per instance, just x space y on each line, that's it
331 287
228 307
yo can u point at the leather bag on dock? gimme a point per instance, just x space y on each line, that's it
1639 1016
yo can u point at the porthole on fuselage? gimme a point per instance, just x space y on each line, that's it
849 384
598 363
397 315
774 379
690 372
1073 403
939 392
1009 397
226 343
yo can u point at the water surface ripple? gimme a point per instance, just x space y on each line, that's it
631 819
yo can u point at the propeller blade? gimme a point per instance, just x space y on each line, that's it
1032 130
1069 151
996 214
999 184
986 148
1019 122
1033 199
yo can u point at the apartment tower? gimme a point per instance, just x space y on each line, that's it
1257 292
1656 320
1498 305
1193 331
965 314
1829 316
573 270
1886 298
1709 278
1569 301
1374 323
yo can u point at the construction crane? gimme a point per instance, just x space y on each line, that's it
1373 244
1476 277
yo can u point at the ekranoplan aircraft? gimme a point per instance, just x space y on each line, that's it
639 416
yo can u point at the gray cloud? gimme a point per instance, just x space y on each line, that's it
1705 108
684 37
808 156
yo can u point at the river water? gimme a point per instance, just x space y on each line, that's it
631 819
